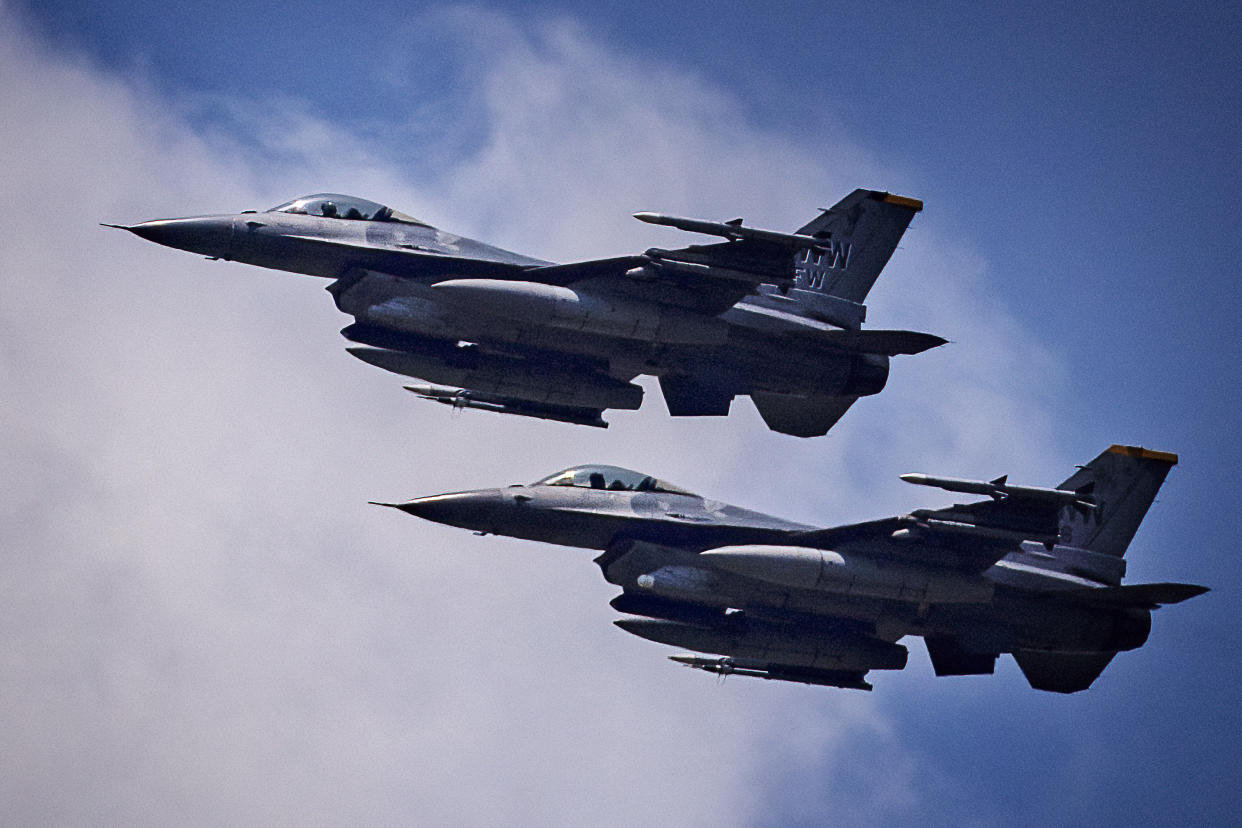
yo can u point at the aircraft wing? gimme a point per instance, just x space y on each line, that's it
968 538
409 261
908 540
850 534
707 279
711 279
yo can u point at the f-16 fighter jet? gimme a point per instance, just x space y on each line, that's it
777 316
1036 572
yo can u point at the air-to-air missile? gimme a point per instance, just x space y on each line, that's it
463 398
736 231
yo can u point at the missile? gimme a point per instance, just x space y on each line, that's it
443 393
715 665
760 669
825 570
999 489
461 398
735 231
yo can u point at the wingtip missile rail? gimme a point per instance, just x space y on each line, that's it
999 489
734 231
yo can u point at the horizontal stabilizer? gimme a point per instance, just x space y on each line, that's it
1148 596
887 343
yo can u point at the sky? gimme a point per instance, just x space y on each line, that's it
202 620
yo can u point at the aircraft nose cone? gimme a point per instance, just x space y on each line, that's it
208 235
469 510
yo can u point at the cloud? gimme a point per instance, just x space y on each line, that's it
202 617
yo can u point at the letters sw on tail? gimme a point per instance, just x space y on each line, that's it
773 315
1031 571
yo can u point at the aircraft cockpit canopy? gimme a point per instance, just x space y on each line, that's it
611 478
335 205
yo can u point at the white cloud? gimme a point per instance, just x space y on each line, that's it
201 617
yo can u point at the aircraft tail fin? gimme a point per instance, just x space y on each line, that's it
1122 482
860 234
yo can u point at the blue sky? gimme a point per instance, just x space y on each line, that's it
202 618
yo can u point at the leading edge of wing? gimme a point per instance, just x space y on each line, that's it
564 274
702 289
871 530
413 261
717 263
963 548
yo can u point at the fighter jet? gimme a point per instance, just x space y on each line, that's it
774 315
1036 572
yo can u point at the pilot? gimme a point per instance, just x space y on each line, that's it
328 210
352 213
597 480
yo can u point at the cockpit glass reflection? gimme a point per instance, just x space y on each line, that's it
610 478
335 205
